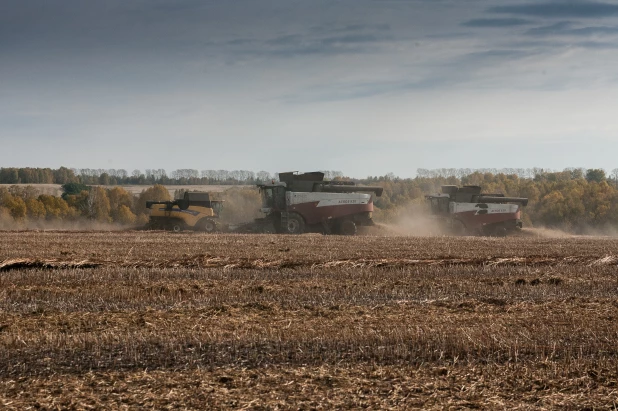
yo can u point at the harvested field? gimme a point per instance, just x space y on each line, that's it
163 320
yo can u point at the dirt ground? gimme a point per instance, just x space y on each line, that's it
140 319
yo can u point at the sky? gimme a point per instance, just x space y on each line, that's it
366 87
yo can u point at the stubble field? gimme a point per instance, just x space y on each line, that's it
196 321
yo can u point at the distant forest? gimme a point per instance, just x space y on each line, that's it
92 176
576 200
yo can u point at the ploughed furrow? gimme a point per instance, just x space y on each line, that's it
208 261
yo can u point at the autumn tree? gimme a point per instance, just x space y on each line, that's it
16 206
98 205
78 202
125 216
56 208
118 198
35 209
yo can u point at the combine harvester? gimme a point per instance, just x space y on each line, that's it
300 203
195 211
465 210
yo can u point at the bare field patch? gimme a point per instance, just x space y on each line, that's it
49 189
156 319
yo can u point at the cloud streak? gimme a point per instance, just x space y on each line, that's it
357 39
566 28
496 22
560 9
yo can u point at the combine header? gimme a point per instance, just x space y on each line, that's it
300 203
465 210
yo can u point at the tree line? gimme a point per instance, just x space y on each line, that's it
91 176
24 204
576 200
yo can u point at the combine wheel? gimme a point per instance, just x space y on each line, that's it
177 227
296 224
207 225
347 227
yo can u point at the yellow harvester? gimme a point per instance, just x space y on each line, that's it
195 211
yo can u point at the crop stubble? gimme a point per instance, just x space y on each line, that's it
259 321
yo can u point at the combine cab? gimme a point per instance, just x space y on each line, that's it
306 203
195 211
465 210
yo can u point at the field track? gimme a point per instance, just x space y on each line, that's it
162 320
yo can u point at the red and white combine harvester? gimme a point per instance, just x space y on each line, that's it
299 203
465 210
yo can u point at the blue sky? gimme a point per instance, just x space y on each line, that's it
362 86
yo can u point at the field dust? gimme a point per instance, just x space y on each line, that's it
419 226
544 233
139 319
241 205
411 220
82 224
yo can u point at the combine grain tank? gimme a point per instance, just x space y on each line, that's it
301 203
465 210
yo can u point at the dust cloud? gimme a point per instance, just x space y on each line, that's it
9 224
542 232
415 220
241 205
412 220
